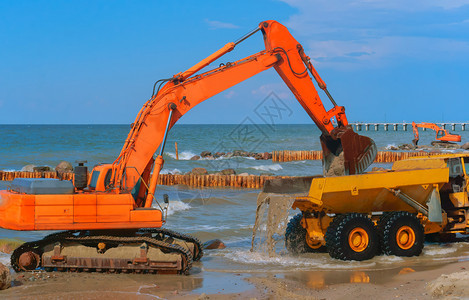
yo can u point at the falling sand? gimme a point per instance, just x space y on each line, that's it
273 206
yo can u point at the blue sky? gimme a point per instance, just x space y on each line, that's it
85 62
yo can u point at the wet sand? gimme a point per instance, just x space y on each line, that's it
397 283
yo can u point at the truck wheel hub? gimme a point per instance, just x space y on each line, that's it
405 237
358 239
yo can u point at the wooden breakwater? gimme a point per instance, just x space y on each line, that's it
9 176
211 180
381 157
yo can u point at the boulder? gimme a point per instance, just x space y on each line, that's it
259 156
446 145
28 168
214 244
64 167
406 147
228 172
465 146
205 153
5 277
195 157
266 155
41 169
237 153
199 171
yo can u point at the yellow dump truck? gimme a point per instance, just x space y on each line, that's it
389 211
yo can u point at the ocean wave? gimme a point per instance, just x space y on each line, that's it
274 167
390 146
434 250
176 206
319 261
173 171
184 155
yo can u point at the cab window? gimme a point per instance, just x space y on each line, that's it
455 167
94 179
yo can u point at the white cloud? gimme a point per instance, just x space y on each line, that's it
376 52
368 33
220 25
229 94
280 89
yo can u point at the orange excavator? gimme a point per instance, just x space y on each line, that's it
112 219
442 135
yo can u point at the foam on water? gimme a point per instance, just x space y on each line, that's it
317 261
184 155
390 146
5 259
274 167
438 250
173 171
177 206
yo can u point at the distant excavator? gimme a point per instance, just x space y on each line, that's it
442 135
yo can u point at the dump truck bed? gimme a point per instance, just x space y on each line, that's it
372 192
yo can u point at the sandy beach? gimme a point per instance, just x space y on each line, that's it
446 281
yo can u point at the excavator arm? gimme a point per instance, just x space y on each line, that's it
187 89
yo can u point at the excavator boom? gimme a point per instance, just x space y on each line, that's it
186 89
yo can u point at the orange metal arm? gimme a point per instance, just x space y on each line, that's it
148 129
184 92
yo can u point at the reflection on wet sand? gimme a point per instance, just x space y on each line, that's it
323 279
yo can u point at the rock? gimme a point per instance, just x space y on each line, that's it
203 296
237 153
446 145
465 146
199 171
41 169
64 167
259 156
195 157
205 153
28 168
5 277
219 154
266 155
214 244
243 174
406 147
228 172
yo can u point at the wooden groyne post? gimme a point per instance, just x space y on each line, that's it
381 157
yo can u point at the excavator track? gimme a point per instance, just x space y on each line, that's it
197 253
146 251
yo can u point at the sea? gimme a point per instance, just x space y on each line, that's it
212 213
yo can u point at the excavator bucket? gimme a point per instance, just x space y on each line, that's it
346 152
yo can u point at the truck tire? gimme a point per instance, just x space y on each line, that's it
352 237
295 237
401 234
